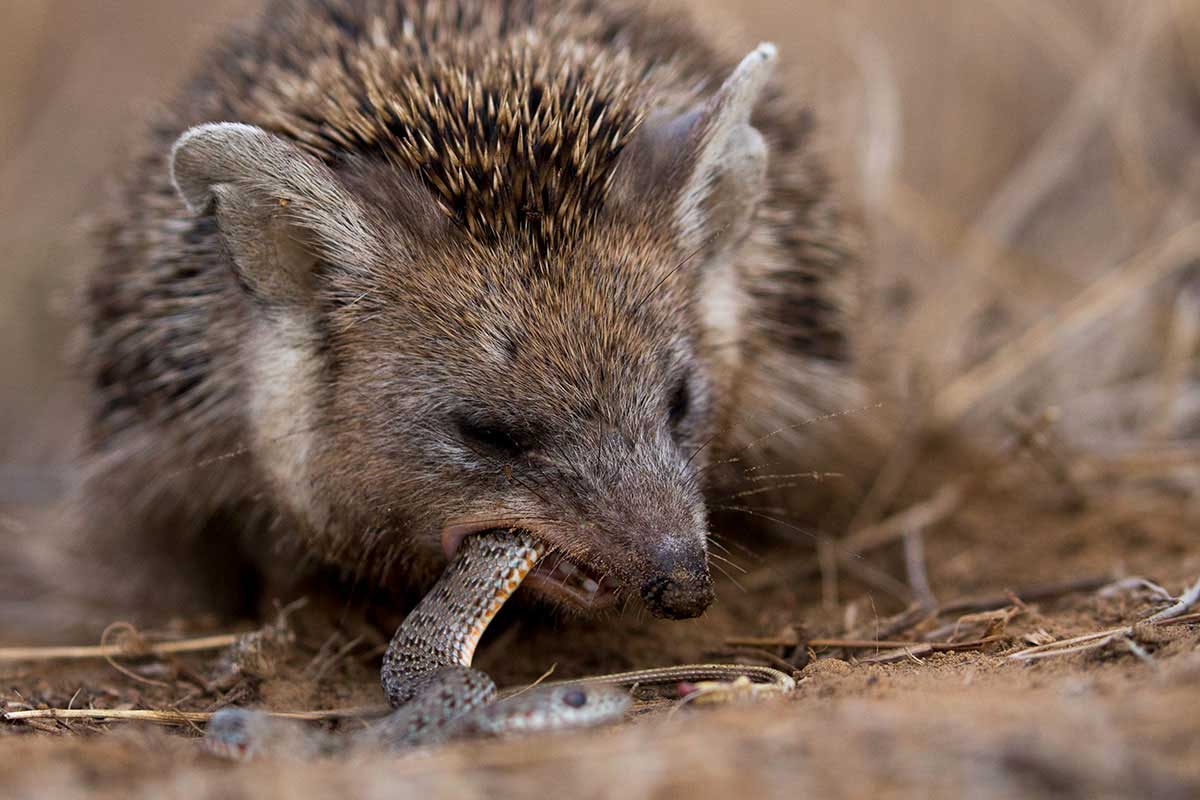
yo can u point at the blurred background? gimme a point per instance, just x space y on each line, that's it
1006 155
1026 175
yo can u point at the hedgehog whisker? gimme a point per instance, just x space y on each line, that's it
730 562
732 579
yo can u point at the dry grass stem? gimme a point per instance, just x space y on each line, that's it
848 552
867 644
1029 594
196 645
1183 343
1174 614
1184 604
914 566
919 516
1049 165
1066 327
183 717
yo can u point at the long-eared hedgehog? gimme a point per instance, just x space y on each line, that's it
391 272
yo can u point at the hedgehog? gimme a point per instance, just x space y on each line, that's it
388 273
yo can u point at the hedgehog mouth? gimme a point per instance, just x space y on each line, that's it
556 577
560 577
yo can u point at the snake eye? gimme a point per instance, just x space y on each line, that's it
576 698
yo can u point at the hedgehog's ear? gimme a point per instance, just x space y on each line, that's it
707 165
278 208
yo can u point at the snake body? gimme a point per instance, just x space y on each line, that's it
427 675
427 670
428 679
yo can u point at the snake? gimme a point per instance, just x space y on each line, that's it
437 696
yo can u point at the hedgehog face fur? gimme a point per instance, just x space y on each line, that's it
559 391
447 267
482 376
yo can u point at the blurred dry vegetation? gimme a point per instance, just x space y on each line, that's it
1027 175
1006 155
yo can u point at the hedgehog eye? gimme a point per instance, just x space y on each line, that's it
493 436
681 402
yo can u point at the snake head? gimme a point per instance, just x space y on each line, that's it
241 734
552 708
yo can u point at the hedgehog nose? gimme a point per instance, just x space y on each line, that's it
681 592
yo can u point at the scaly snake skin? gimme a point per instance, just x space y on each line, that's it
427 671
427 674
486 571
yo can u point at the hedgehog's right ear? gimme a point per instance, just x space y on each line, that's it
706 165
278 208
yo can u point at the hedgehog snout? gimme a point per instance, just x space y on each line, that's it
681 588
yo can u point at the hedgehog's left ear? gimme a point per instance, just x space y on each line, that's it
278 208
708 165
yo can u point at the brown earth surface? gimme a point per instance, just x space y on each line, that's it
1121 720
1007 156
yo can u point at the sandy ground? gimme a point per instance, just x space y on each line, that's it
1007 156
1120 720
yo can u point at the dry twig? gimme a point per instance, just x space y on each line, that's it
134 644
849 551
865 644
1080 316
1174 614
925 648
1029 594
182 717
1185 602
914 565
122 649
